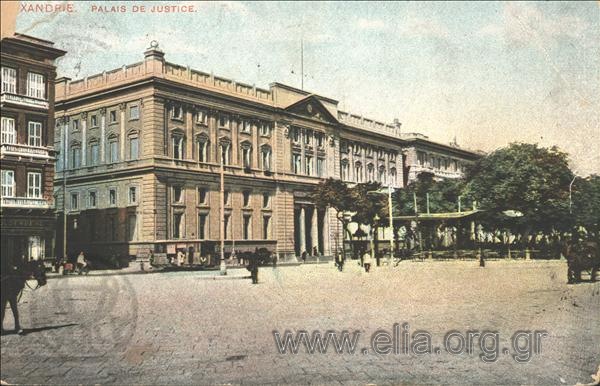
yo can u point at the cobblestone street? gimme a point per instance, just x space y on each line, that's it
187 328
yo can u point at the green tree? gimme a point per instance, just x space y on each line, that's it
586 203
370 208
524 178
332 193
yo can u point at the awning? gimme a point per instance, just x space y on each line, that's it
438 216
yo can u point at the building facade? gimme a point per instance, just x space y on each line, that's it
143 147
26 148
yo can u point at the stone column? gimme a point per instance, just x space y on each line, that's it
314 229
302 230
102 134
122 138
326 233
84 138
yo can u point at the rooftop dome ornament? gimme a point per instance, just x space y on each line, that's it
154 44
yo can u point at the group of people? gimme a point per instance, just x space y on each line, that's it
367 261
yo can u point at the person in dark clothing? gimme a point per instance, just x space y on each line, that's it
339 262
304 256
253 268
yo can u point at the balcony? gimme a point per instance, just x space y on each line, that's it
24 101
20 150
26 202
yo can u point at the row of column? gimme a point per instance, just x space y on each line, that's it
312 231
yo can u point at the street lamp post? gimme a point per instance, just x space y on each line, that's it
570 197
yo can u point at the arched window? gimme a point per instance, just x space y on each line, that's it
133 144
225 146
202 141
93 152
113 148
178 144
265 157
246 148
381 175
344 170
370 173
75 156
393 176
358 171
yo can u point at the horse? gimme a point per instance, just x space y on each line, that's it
581 255
13 282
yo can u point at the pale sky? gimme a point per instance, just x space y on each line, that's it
489 73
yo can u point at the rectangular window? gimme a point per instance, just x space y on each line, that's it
35 134
134 112
132 227
226 221
344 171
202 222
309 165
343 146
266 200
202 196
94 121
202 118
246 197
223 120
177 194
177 225
308 137
320 167
113 116
75 124
74 201
34 185
246 126
320 139
92 200
247 227
94 153
36 248
177 112
203 151
112 197
266 159
133 148
226 197
9 80
421 158
9 134
265 129
296 163
133 195
266 227
296 135
36 85
8 183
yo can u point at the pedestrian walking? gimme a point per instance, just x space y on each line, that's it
339 262
253 268
367 261
304 256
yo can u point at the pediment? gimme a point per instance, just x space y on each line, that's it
312 107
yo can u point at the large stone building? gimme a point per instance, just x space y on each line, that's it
26 148
143 144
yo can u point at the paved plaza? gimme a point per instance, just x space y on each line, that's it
192 328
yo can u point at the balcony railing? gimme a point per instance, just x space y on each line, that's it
17 149
23 100
26 202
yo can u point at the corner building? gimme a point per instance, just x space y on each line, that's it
27 154
142 149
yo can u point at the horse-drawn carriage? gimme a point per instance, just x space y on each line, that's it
582 256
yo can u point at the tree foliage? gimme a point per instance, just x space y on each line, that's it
525 178
443 196
586 202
